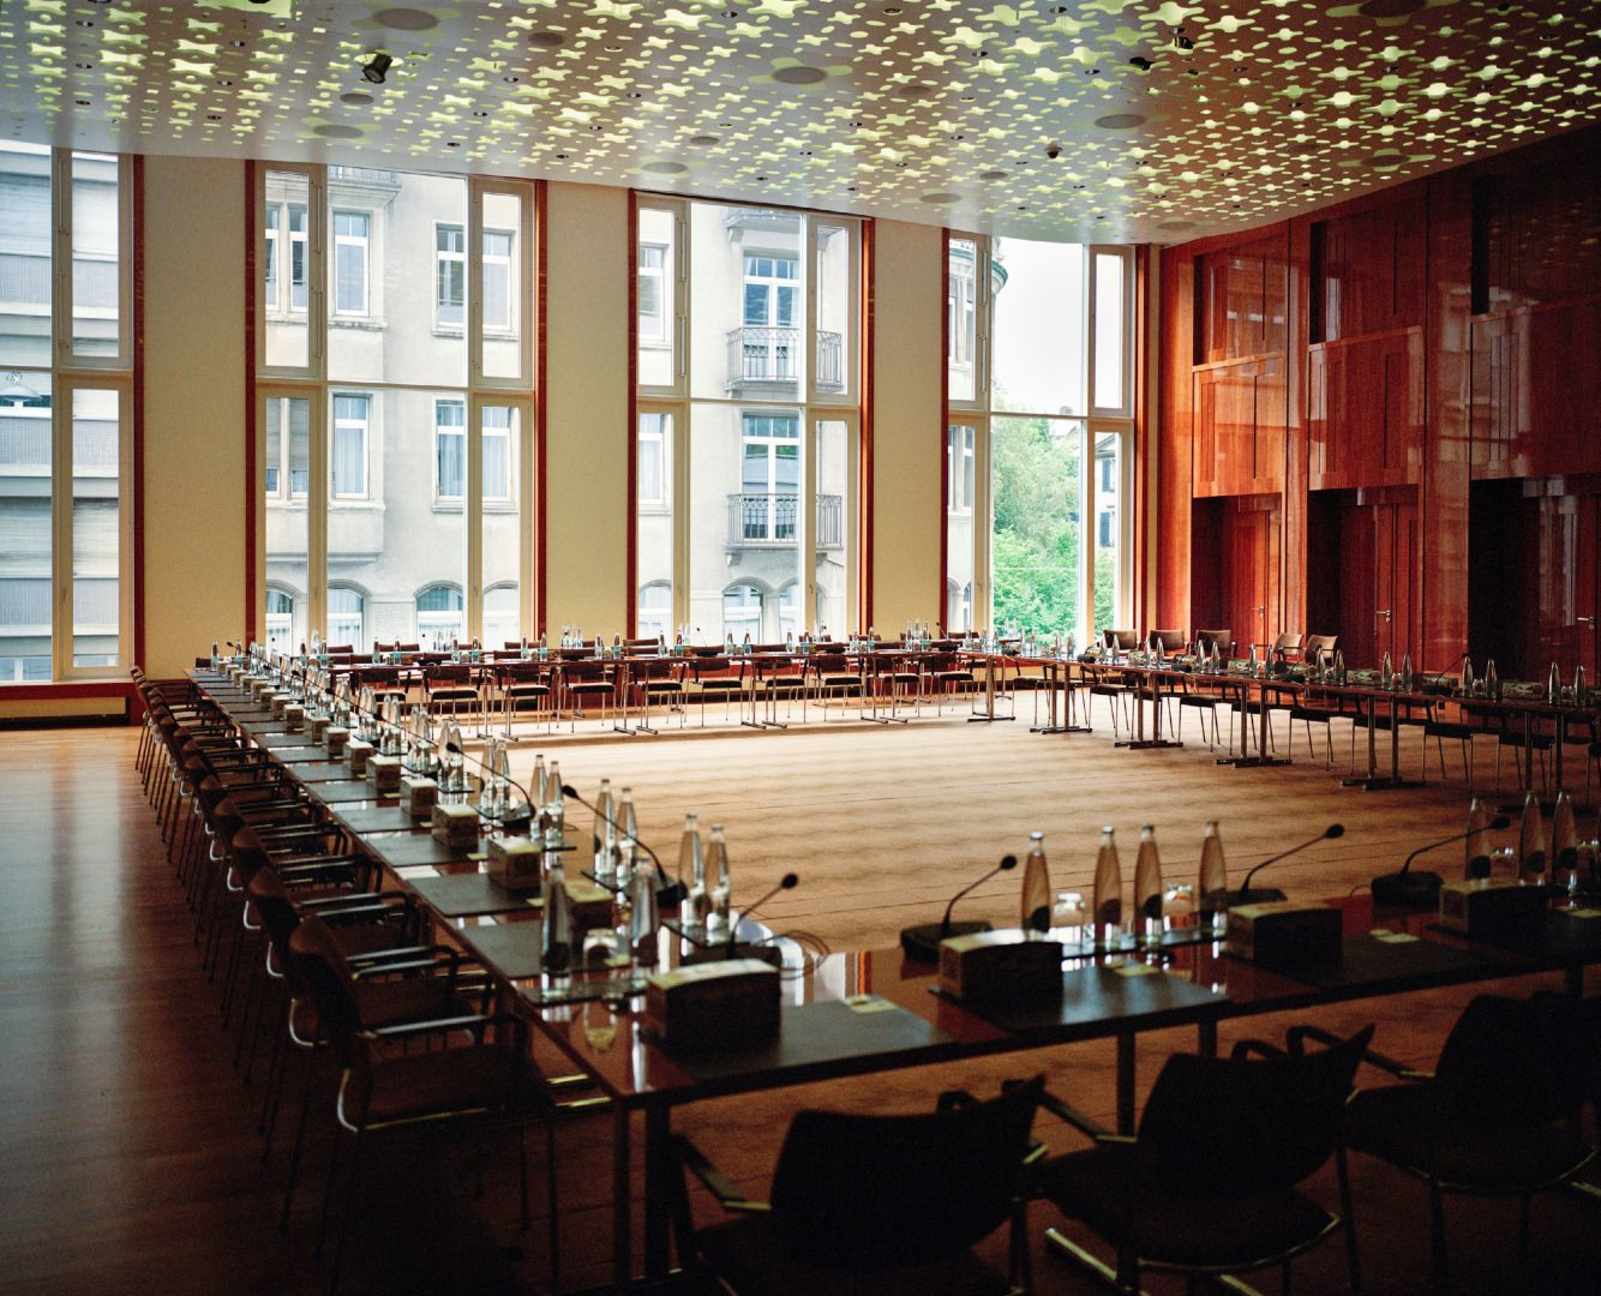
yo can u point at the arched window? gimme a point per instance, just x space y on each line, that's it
655 610
790 610
502 616
742 612
280 620
441 619
958 606
347 615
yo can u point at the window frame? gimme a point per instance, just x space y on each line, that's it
522 303
365 243
443 257
676 285
313 314
443 499
63 288
335 395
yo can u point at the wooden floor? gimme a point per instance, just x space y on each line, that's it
128 1153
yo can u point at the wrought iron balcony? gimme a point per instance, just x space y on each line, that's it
757 518
759 354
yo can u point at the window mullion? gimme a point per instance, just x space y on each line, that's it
473 584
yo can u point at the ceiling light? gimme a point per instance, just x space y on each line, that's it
705 141
664 168
413 20
1120 121
356 98
546 39
800 74
992 175
332 130
377 69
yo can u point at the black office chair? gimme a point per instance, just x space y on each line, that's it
1498 1117
874 1203
1210 1185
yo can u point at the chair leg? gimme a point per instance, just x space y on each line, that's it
1437 1233
1353 1263
1523 1230
300 1141
349 1208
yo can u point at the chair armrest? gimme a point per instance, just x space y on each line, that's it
1245 1047
413 958
714 1180
1051 1103
1399 1069
439 1026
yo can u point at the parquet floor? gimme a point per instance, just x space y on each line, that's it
129 1160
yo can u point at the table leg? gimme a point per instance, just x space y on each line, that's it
1206 1039
1125 1082
988 715
658 1166
622 1223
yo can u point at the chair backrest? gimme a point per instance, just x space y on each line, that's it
861 1192
830 663
446 673
1509 1062
580 671
1173 641
1320 648
1121 640
1222 640
341 650
1233 1128
1288 643
317 962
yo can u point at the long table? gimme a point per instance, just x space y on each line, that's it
874 1011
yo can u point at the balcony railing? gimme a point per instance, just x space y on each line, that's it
760 518
759 354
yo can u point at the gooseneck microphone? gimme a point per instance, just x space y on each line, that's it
1421 890
922 942
786 883
1249 895
455 750
669 893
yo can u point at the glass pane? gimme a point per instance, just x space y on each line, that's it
95 234
1035 544
746 307
657 328
503 286
450 449
961 319
450 275
836 530
287 340
25 278
1039 293
25 530
1109 331
96 533
393 539
654 525
502 430
745 550
1108 530
835 289
287 528
382 292
960 536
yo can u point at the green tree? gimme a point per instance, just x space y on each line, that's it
1035 471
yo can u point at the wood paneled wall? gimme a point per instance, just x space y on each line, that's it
1359 380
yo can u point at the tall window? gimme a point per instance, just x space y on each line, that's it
65 414
1038 430
396 408
748 434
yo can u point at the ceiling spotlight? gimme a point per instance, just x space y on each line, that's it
377 69
1053 151
1182 43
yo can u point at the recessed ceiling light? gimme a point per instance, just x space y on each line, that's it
916 90
992 175
1120 121
612 48
1391 8
511 78
546 39
377 68
800 74
940 198
82 103
332 130
356 98
406 19
705 141
452 143
664 168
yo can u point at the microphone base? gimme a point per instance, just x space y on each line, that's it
921 943
1411 890
734 950
1253 895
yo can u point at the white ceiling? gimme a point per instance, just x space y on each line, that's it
937 111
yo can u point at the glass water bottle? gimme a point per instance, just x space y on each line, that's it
719 919
605 834
692 871
1479 850
1036 899
1107 917
1148 889
1531 841
1212 888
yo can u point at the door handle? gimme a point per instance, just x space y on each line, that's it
1383 612
1585 621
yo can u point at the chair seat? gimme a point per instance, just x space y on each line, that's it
590 686
454 694
840 681
1450 729
723 685
389 1003
420 1085
1113 1189
753 1257
1394 1123
663 686
527 690
1313 715
1539 741
1199 700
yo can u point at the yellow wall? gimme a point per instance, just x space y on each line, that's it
907 438
586 413
194 408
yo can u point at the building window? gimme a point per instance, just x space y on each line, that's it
742 612
770 475
655 615
285 222
959 453
441 619
652 294
770 289
652 443
450 449
502 616
352 240
350 447
498 245
288 464
281 620
346 616
790 610
450 275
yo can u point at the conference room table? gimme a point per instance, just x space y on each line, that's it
858 1013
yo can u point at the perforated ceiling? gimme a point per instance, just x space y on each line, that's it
1169 120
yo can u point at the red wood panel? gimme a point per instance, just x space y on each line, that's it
1250 540
1358 626
1368 270
1239 427
1365 411
1536 390
1174 427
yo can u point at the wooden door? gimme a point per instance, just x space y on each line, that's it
1395 549
1251 574
1564 628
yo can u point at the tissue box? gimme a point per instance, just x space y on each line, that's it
278 703
1285 934
294 717
999 963
383 772
714 1005
514 862
317 727
1490 908
421 795
335 737
360 752
455 825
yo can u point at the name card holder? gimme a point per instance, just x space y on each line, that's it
360 751
1000 964
420 795
383 772
1285 935
515 863
1490 908
454 824
714 1005
294 717
317 727
335 737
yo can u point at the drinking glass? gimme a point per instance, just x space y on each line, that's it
600 1024
603 948
1072 913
